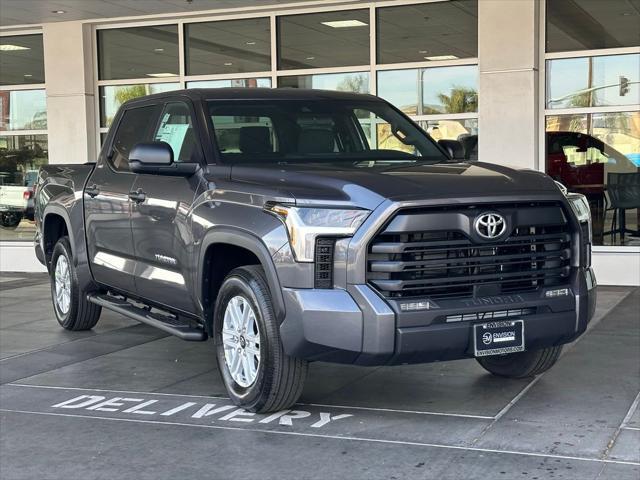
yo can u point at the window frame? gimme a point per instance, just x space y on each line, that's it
373 67
544 112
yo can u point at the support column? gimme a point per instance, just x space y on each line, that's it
508 54
68 65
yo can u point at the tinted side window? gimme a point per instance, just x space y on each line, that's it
176 129
135 127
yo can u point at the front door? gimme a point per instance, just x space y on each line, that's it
107 204
161 231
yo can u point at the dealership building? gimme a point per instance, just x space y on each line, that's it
552 86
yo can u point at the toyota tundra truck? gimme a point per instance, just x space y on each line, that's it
302 225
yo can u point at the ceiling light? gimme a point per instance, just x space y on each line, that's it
441 57
27 75
59 12
310 58
251 43
158 50
161 75
344 23
422 51
228 64
7 47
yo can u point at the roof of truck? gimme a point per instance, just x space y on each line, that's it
259 94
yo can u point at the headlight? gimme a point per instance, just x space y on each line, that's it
304 225
580 206
579 203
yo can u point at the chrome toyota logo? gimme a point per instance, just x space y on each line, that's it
490 225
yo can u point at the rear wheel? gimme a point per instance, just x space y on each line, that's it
521 364
70 304
258 374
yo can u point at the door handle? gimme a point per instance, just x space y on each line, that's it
138 196
92 190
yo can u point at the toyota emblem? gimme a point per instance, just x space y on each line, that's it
490 225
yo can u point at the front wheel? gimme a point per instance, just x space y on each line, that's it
258 374
73 310
521 364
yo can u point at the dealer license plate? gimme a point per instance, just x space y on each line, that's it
498 338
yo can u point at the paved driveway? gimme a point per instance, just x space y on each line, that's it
128 401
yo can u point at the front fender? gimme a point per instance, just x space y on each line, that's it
244 239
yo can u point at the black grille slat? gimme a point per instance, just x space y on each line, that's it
451 264
488 260
397 285
390 247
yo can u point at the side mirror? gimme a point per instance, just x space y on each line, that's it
157 158
454 148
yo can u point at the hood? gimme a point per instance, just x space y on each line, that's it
368 186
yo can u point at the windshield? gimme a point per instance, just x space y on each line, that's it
315 130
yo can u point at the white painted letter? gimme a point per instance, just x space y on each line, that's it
179 408
326 418
286 419
138 408
114 402
208 409
236 413
89 400
274 416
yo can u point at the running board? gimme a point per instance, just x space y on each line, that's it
165 323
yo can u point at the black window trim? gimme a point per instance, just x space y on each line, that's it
107 154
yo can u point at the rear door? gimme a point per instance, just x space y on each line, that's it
162 235
107 204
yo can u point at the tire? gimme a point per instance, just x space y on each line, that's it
522 364
276 382
10 219
79 313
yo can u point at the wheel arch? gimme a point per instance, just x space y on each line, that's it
213 268
56 224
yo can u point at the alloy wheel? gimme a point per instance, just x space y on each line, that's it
62 278
241 340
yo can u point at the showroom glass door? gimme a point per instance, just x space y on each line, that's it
161 232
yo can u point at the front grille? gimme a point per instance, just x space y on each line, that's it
495 315
446 264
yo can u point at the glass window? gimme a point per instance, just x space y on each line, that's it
331 39
256 130
20 158
593 81
464 131
231 46
431 90
430 31
138 52
318 130
357 82
21 60
23 110
234 83
135 127
112 96
598 155
176 129
592 24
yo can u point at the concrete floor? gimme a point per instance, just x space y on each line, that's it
127 401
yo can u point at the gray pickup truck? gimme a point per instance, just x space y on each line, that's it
298 225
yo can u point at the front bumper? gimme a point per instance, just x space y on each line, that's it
358 326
